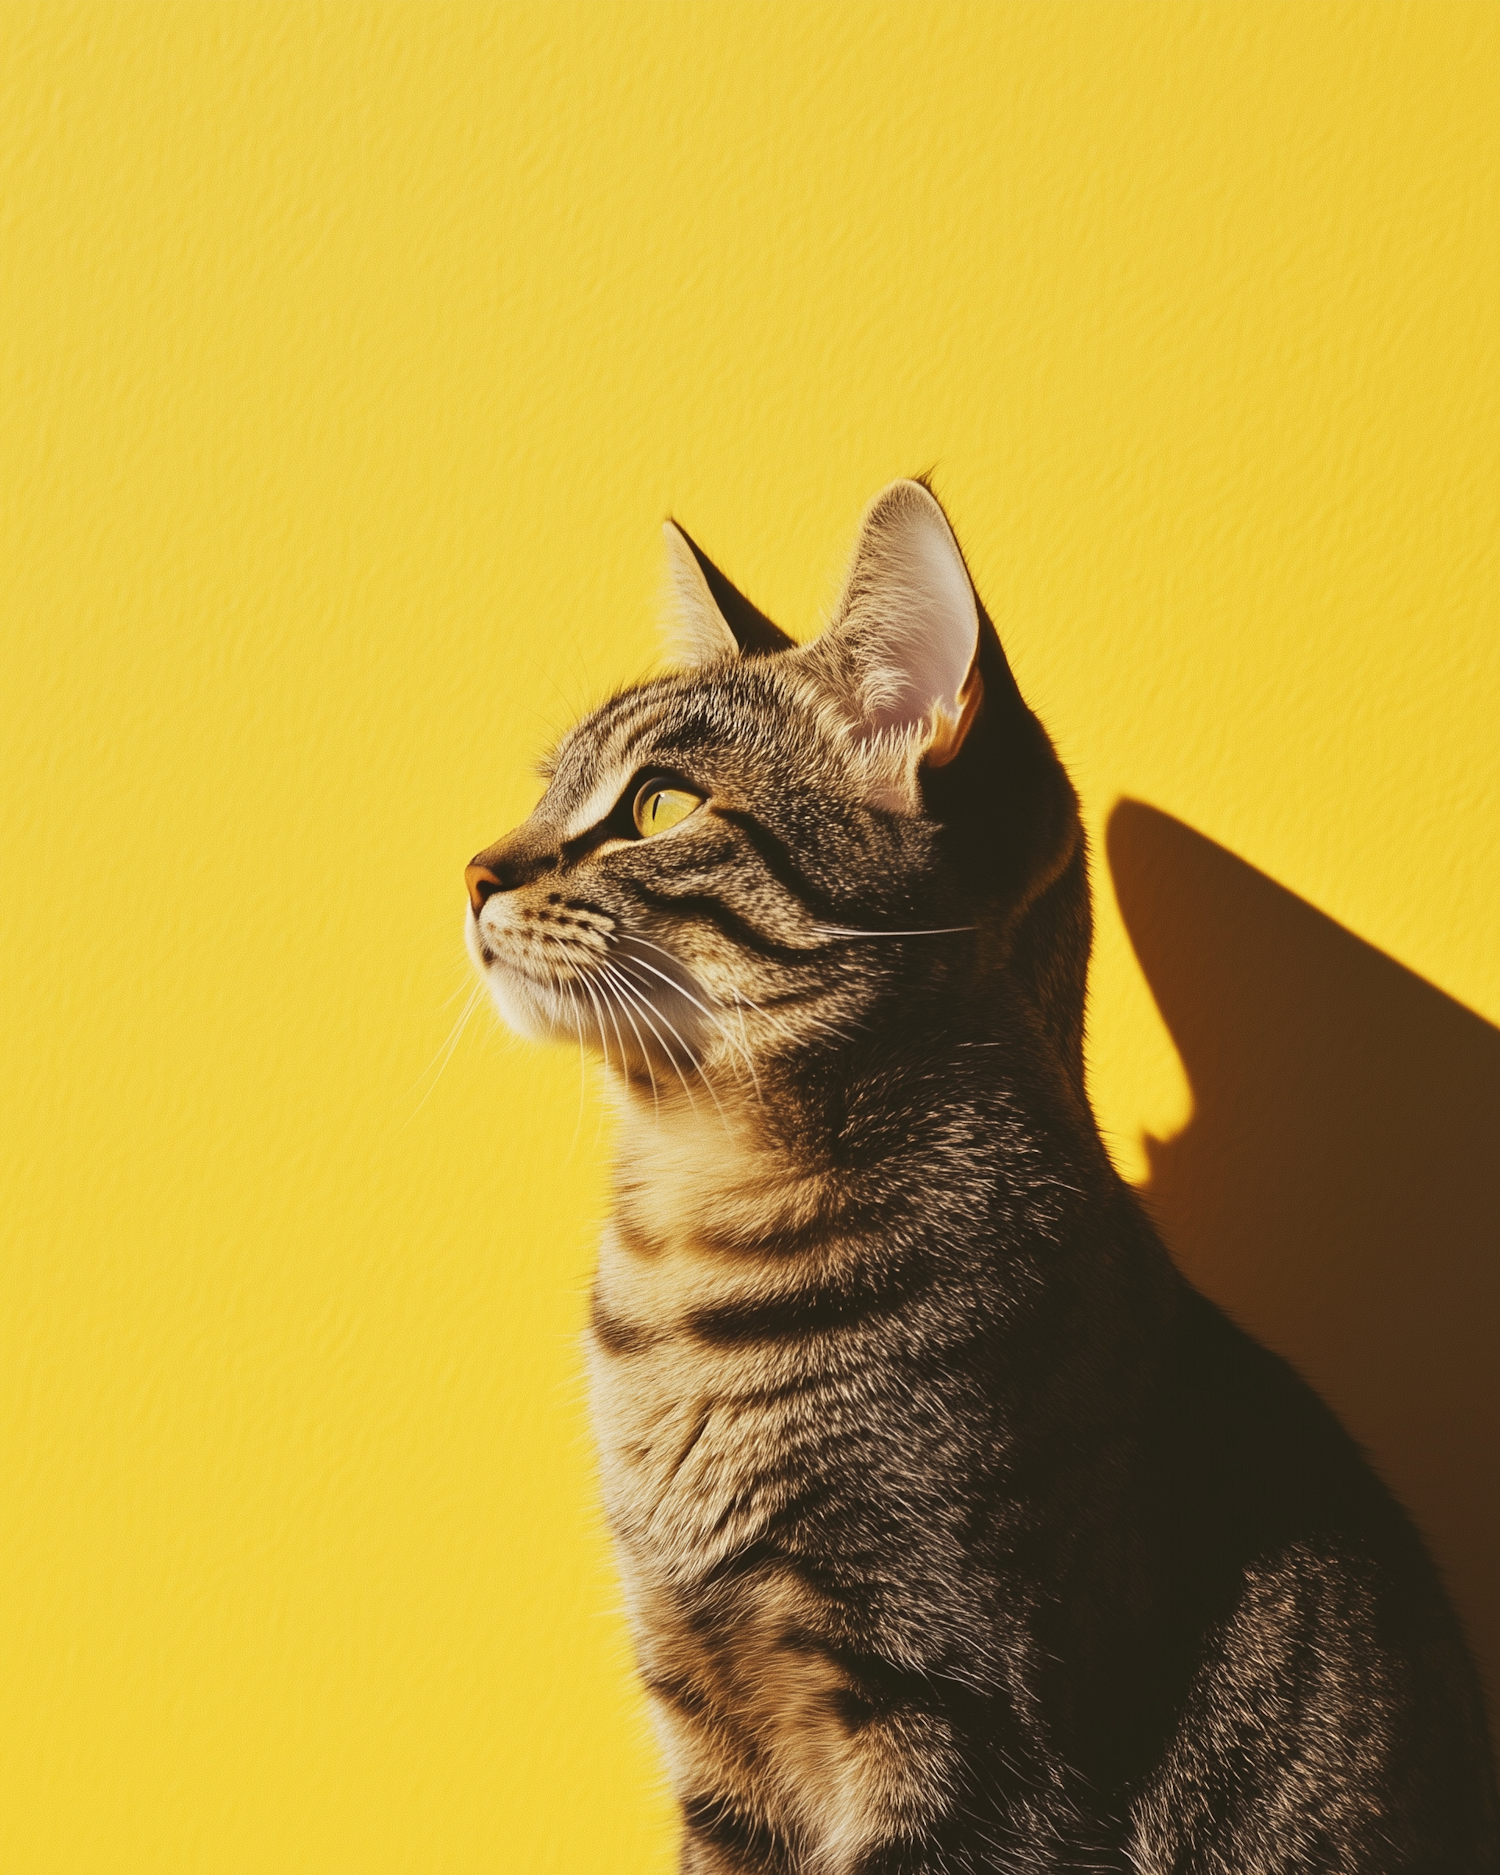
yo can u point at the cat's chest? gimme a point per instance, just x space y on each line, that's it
702 1418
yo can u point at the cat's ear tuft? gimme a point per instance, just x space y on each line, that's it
904 642
708 616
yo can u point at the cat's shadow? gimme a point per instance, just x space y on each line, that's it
1337 1189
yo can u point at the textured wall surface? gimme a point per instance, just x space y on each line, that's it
352 355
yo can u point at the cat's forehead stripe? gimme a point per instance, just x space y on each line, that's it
677 713
635 716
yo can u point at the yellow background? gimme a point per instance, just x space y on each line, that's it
352 355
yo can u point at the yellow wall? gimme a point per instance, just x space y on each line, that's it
352 355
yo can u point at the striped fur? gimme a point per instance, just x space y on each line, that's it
957 1532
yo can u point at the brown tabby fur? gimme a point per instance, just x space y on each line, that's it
957 1533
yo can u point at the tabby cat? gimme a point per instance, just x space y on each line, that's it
958 1532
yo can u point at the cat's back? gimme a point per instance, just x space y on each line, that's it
1330 1713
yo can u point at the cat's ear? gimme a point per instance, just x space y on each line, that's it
709 617
903 647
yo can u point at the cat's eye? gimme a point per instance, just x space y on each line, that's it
660 805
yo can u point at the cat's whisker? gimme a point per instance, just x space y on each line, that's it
698 1065
849 931
583 1078
649 1013
464 989
742 1042
634 938
445 1054
776 1024
687 995
440 1059
580 985
780 1025
672 983
599 1008
602 1006
623 991
613 1001
624 1006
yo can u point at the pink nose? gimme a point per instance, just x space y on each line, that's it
481 882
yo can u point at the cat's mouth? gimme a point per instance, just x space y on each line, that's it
528 995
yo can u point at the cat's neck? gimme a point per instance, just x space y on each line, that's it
749 1157
690 1166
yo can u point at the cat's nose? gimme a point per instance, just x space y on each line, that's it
481 881
510 863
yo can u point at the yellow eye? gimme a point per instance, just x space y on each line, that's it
659 805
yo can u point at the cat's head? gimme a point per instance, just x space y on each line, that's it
747 856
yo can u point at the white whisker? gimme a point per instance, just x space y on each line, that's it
445 1053
579 983
595 1004
583 1076
600 1009
779 1024
649 1015
848 931
623 989
624 962
608 990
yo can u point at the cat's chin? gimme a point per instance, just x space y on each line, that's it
529 1009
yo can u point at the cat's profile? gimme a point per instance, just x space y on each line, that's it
958 1532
